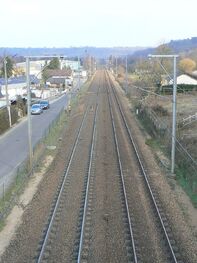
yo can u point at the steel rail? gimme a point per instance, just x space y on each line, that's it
87 187
144 174
61 190
122 179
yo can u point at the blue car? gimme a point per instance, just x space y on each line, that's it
44 104
36 109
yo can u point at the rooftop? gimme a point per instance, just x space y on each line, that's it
20 79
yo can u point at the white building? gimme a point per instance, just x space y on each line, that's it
35 67
185 79
16 86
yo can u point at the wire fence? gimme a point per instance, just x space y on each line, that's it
12 184
157 121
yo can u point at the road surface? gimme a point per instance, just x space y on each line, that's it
14 143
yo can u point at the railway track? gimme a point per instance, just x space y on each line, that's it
48 249
171 253
98 215
86 206
132 248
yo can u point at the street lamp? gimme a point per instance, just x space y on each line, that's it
174 105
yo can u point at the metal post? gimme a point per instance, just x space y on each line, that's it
6 90
173 107
29 115
174 118
29 104
126 89
116 68
78 73
90 66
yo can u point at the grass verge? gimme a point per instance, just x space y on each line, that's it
187 182
185 175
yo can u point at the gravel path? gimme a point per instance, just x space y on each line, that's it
107 239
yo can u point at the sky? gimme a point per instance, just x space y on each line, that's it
101 23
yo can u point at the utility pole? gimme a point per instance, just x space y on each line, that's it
6 90
173 106
174 117
91 66
29 103
78 72
29 114
126 76
116 68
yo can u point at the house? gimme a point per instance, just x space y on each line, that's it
185 82
16 85
36 67
185 79
59 77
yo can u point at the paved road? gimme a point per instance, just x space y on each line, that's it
14 144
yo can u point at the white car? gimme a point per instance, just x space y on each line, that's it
36 109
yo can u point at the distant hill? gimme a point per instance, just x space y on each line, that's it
177 46
71 52
183 45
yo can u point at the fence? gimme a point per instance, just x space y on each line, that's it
12 184
189 120
186 164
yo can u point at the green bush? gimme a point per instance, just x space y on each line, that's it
186 173
160 110
168 89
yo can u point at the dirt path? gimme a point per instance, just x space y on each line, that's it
14 219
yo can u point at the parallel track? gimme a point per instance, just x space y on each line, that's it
85 205
174 256
81 249
45 240
134 253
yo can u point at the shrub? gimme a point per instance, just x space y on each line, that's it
4 120
160 110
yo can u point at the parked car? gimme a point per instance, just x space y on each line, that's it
36 109
44 104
